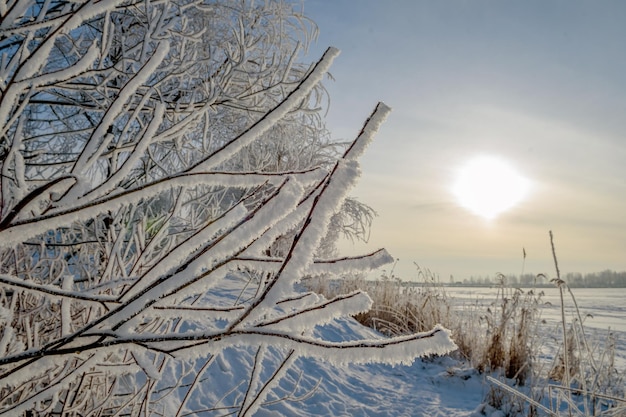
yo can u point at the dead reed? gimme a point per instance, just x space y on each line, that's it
498 338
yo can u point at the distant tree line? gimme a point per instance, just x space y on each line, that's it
603 279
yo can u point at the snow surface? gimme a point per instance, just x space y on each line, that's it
438 386
428 387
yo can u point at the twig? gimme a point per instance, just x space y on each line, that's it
521 395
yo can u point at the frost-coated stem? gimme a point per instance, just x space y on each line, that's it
56 386
232 242
21 230
138 152
560 284
254 380
66 304
39 56
325 204
99 139
340 266
199 373
176 257
300 254
395 350
343 305
62 293
278 374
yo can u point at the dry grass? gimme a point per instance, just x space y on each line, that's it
503 340
498 339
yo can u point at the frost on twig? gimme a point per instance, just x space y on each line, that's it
166 184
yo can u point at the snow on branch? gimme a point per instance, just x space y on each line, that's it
100 138
337 267
218 249
300 256
321 313
273 116
57 386
365 137
20 230
77 295
393 351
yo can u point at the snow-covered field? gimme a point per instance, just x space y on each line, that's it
436 387
444 386
316 387
603 310
604 307
429 387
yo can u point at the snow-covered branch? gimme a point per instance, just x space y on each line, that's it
77 295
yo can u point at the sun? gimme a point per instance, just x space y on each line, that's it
488 186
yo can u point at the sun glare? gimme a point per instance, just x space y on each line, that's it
488 186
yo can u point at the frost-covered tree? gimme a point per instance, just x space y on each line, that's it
166 182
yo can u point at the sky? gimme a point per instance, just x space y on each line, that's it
538 84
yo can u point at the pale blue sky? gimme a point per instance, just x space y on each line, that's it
539 83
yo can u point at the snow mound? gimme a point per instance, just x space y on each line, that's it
436 386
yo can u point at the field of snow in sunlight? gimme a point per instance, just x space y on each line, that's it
428 387
602 309
315 387
440 386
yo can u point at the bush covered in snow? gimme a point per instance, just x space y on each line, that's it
153 154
